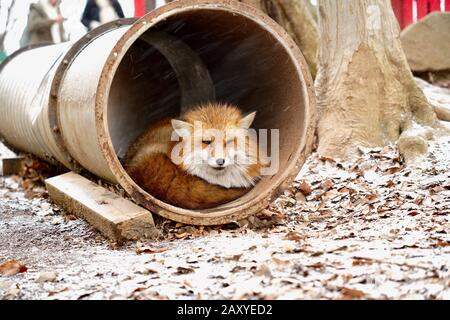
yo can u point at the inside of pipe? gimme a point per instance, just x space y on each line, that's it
248 67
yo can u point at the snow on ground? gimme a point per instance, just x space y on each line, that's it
371 229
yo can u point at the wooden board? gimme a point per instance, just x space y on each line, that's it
115 217
12 166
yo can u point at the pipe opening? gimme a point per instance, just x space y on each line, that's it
249 64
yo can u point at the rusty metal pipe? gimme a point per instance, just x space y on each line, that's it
99 94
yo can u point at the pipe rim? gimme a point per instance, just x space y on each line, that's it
66 62
244 209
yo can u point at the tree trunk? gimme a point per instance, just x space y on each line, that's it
366 92
296 18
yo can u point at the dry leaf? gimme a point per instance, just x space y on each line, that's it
351 294
293 236
305 188
149 250
12 267
183 270
328 184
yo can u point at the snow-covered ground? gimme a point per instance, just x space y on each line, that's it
371 229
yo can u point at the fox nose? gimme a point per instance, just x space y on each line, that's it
220 162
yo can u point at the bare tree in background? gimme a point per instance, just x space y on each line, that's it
9 21
150 5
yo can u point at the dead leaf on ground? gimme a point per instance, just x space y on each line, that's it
12 267
183 270
327 159
305 188
350 294
281 263
362 262
293 236
318 265
328 184
150 250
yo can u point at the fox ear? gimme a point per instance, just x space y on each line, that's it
183 129
247 122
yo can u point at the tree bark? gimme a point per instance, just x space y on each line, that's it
296 18
366 92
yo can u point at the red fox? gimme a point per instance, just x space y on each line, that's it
208 168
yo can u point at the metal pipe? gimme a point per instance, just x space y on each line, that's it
94 97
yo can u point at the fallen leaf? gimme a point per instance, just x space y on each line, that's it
317 265
305 188
293 236
328 184
393 170
183 270
327 159
12 267
281 263
362 262
351 294
150 250
235 257
441 243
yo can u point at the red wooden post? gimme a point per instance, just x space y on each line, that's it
397 6
447 5
422 8
403 9
408 12
139 8
435 5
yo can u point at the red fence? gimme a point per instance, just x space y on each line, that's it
404 9
139 8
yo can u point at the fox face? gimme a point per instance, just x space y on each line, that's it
217 146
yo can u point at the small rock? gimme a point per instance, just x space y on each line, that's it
13 292
427 43
57 220
44 212
46 277
263 271
5 285
45 206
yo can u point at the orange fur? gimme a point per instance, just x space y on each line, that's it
148 162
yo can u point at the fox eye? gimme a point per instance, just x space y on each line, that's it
207 142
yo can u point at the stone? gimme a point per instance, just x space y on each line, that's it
46 277
427 43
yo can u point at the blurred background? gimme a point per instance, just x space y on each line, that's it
14 18
14 15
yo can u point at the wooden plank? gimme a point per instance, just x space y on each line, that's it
12 166
115 217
